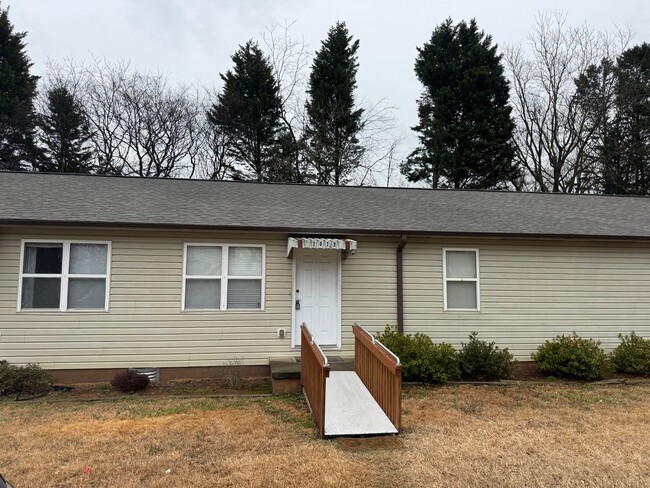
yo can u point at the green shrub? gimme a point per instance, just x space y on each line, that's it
32 380
6 378
130 381
480 360
573 357
632 355
396 342
24 381
421 359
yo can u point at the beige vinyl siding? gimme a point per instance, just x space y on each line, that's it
144 325
532 291
368 291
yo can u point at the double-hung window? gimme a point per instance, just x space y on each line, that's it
461 279
64 275
223 277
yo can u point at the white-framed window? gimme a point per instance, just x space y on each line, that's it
64 275
461 287
223 277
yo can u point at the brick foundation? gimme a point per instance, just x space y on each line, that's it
71 376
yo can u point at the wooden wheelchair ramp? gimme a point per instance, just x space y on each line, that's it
363 402
350 409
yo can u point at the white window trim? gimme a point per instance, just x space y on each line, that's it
223 277
64 276
445 279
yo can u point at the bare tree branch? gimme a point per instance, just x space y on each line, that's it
140 125
553 134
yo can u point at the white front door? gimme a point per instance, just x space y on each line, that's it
316 295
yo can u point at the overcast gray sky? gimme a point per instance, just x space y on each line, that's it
191 40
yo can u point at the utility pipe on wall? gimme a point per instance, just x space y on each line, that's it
400 286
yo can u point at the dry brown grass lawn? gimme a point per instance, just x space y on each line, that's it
457 436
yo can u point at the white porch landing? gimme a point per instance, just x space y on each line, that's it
350 409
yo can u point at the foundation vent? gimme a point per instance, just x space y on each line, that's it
152 373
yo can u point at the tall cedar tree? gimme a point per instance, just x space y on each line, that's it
595 96
248 112
17 92
333 122
65 134
616 98
632 104
465 125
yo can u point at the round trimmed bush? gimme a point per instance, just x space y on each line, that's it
21 381
572 357
481 360
130 381
29 380
422 359
32 380
632 355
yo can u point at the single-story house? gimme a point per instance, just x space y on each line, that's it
99 273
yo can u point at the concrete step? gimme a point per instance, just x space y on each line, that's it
285 372
285 368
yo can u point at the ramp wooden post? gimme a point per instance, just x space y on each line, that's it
380 371
314 371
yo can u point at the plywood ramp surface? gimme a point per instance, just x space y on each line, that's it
350 409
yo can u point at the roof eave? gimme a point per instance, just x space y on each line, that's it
320 230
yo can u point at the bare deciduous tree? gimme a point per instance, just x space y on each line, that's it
290 58
212 158
553 134
159 125
97 88
379 164
140 125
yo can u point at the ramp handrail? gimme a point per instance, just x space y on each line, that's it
381 372
314 371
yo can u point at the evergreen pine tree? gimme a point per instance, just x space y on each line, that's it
17 92
595 96
465 127
334 122
632 104
616 98
248 112
64 134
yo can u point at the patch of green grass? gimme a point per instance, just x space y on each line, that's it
181 388
289 409
158 409
102 388
204 391
152 449
473 408
589 395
